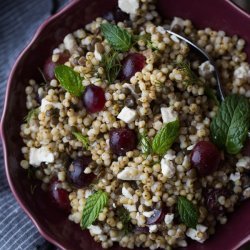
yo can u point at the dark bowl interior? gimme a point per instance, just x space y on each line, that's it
53 224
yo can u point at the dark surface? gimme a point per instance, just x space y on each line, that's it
16 231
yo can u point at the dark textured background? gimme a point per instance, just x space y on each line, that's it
19 20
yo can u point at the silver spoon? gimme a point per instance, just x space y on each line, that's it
204 53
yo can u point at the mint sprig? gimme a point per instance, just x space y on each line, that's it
94 205
187 211
83 139
120 39
166 137
69 79
230 126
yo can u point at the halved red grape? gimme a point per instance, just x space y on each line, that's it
205 157
49 66
157 217
94 98
59 195
122 140
131 64
76 175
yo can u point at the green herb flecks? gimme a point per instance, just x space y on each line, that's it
124 217
120 39
69 79
33 114
145 144
188 212
83 139
166 137
94 205
112 66
190 76
230 126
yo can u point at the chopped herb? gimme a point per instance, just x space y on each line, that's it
166 137
188 212
211 94
120 39
230 126
83 139
33 114
147 39
112 66
190 76
69 79
145 144
124 217
94 205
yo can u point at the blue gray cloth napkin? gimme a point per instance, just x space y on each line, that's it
19 20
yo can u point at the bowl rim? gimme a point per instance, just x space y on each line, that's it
35 37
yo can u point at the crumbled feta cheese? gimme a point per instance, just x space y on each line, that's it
39 155
128 6
97 55
168 114
189 148
246 193
44 104
94 230
70 43
130 208
167 168
148 214
88 193
206 69
175 38
177 21
234 177
129 174
244 162
170 155
182 243
127 115
152 228
199 234
126 193
168 218
242 72
161 30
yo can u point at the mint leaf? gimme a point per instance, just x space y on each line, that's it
187 211
230 126
69 79
94 205
120 39
145 144
33 114
83 139
166 137
112 66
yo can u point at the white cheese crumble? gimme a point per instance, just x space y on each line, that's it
94 230
168 114
199 234
128 6
127 115
246 193
70 43
148 214
39 155
191 147
44 104
129 174
235 177
242 72
97 55
152 228
177 21
206 69
130 208
169 218
161 30
167 168
126 193
88 193
244 162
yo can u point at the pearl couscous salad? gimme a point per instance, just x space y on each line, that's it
127 135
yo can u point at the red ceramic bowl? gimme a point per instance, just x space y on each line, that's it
52 224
